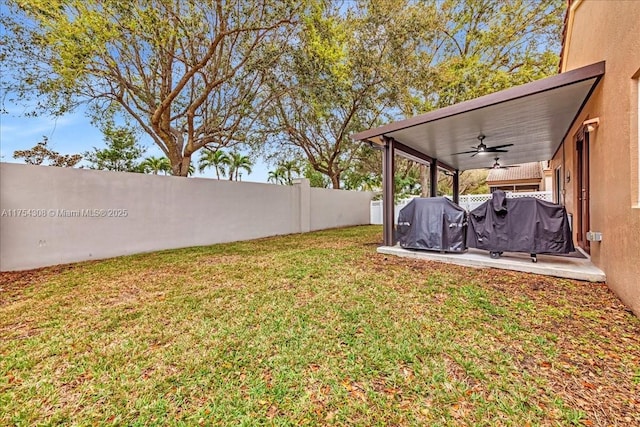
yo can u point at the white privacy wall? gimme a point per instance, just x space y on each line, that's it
338 208
51 215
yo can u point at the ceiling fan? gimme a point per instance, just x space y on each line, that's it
483 148
497 165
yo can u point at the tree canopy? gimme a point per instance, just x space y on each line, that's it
483 46
342 75
189 73
294 76
364 63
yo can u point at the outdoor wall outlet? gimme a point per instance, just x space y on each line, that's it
594 236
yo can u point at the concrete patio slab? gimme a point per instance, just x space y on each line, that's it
548 265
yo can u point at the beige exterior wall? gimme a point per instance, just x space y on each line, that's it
47 214
609 31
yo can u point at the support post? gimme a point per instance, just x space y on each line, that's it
304 203
433 170
388 203
456 187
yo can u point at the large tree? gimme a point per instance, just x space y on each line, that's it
188 72
483 46
343 74
359 64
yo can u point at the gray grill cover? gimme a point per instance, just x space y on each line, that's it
433 223
519 225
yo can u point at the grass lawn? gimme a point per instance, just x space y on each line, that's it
312 329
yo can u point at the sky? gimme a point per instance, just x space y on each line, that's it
74 134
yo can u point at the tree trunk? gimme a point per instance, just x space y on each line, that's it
424 181
179 164
175 167
184 166
335 180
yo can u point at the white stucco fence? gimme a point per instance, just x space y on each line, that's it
51 215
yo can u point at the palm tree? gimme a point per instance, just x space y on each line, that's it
276 176
238 161
217 159
155 165
287 168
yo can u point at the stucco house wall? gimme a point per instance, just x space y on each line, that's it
596 31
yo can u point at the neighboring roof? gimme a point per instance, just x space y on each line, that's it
525 172
534 117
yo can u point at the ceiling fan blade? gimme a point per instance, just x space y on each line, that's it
499 146
466 152
493 150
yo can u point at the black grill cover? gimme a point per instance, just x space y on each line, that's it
519 225
434 223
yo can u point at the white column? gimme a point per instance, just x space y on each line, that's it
304 199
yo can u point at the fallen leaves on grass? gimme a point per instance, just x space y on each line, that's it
311 329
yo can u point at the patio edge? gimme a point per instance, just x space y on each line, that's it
547 265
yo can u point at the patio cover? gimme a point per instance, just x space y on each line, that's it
534 117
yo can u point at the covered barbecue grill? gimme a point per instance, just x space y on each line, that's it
519 225
434 223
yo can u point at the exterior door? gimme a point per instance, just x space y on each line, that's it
582 184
